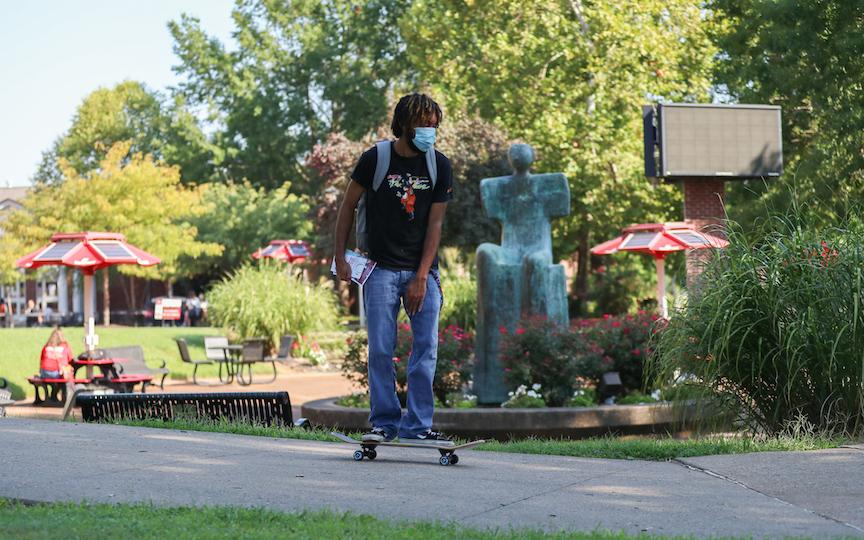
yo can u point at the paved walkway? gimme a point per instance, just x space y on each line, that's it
813 494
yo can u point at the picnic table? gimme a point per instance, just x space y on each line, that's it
53 391
233 354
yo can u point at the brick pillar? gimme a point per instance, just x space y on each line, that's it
703 211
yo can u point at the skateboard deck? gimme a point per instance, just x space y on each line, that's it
448 452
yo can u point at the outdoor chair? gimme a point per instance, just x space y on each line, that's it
214 352
134 365
284 353
253 353
187 358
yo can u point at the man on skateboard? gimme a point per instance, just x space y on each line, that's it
404 212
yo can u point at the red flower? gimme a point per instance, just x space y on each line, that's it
616 324
520 331
502 330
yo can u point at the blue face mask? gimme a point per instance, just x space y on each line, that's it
424 138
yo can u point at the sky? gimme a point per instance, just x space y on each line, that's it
54 53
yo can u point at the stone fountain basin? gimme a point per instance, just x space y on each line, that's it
505 424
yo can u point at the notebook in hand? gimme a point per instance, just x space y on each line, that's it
361 267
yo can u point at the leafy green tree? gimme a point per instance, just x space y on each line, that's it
240 218
153 125
302 69
569 77
127 193
806 57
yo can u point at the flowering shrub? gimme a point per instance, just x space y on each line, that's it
563 360
586 397
623 342
303 347
455 350
522 398
540 352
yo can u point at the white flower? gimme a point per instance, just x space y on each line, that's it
532 393
656 395
579 393
535 386
521 389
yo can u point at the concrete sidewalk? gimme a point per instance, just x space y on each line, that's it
812 494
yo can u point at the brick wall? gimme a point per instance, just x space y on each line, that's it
704 211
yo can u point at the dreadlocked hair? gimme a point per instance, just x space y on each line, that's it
411 111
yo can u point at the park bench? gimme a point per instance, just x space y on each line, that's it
134 369
52 391
259 408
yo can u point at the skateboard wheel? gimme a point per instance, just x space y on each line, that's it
371 454
358 455
444 460
454 459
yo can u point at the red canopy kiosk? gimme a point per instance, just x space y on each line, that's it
659 239
88 252
291 251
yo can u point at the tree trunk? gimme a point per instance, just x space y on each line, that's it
582 270
106 299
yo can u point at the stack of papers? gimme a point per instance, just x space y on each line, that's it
361 267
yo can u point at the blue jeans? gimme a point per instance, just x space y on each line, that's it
382 294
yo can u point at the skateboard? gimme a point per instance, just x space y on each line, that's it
367 449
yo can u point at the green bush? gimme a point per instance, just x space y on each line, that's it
266 300
776 328
460 301
525 398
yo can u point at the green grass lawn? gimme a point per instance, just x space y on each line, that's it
652 449
20 349
70 521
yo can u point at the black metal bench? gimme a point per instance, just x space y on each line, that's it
265 408
134 365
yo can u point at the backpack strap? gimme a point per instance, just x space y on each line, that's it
432 165
383 163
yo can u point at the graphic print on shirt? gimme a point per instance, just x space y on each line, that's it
404 188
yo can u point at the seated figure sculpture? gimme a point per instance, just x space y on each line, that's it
518 278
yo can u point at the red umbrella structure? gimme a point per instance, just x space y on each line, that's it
88 252
291 251
659 239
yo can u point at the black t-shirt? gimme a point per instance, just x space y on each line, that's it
397 215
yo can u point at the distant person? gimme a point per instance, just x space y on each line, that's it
4 312
56 361
32 314
203 304
47 315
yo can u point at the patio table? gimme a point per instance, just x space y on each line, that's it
232 356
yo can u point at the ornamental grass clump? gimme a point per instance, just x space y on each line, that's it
776 328
265 300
